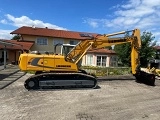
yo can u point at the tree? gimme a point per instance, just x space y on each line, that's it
123 51
16 37
147 50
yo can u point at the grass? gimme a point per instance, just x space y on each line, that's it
105 71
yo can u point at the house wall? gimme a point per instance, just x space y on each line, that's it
50 46
10 56
13 56
111 60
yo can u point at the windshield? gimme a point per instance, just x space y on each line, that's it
66 49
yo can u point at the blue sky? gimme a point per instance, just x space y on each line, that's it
96 16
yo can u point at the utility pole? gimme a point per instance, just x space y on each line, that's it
4 56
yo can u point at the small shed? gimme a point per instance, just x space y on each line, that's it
11 49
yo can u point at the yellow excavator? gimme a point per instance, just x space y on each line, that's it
57 70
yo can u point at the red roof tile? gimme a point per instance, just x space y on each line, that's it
102 51
17 45
157 47
50 33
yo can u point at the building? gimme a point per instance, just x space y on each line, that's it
46 39
13 49
100 57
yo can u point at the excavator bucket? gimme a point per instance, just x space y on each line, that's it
144 77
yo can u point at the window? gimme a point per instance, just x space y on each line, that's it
101 60
42 41
73 42
65 49
57 41
89 59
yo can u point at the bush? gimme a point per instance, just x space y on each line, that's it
105 71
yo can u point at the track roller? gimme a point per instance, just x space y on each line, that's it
31 84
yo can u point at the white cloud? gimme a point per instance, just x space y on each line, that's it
3 21
23 21
5 34
142 14
157 33
92 22
131 3
157 36
139 11
26 21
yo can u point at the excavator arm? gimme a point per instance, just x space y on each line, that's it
106 40
75 55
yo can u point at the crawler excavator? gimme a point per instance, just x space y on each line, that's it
56 70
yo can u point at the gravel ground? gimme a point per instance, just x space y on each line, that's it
114 99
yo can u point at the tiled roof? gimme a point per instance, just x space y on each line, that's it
102 51
157 47
50 32
17 45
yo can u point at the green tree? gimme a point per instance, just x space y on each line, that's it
147 50
124 52
16 37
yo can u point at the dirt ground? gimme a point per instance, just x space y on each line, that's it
114 99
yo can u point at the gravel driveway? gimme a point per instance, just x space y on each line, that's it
114 99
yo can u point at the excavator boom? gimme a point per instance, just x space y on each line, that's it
101 41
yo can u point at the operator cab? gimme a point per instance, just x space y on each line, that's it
66 48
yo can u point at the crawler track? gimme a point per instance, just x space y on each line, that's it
60 80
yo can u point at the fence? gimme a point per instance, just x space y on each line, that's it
99 71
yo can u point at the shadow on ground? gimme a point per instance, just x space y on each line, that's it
8 78
116 77
64 88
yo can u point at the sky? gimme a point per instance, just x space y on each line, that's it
94 16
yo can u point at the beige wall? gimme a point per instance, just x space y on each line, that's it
109 60
50 47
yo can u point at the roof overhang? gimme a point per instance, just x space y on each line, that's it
4 43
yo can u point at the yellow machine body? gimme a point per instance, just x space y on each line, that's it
44 62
